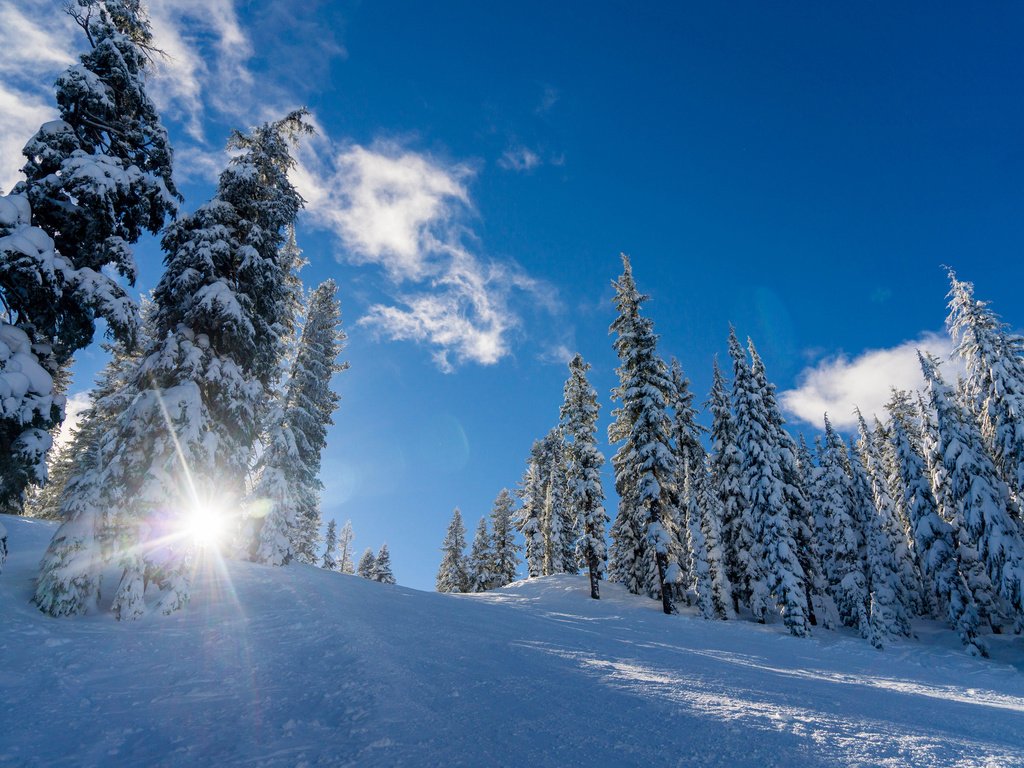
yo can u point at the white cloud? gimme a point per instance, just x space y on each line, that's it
838 384
403 211
519 159
76 404
205 63
32 54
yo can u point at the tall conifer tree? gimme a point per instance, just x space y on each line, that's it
644 463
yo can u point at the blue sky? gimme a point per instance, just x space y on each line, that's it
801 171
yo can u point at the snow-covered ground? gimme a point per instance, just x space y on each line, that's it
300 667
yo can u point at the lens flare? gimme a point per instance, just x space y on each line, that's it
206 527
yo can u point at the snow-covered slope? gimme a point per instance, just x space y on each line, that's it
299 667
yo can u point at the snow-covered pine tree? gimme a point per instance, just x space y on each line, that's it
983 505
773 574
995 379
845 570
797 503
932 536
453 576
382 566
288 472
725 480
888 616
528 518
556 529
986 599
708 501
480 565
328 561
506 561
30 284
644 463
95 179
894 538
890 568
586 496
689 455
366 564
346 562
181 449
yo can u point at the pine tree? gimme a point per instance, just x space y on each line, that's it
555 528
345 552
845 570
330 542
765 531
714 592
725 481
367 563
985 511
288 473
452 576
481 560
644 463
182 447
888 615
586 496
528 519
932 536
95 179
381 570
506 561
689 455
995 379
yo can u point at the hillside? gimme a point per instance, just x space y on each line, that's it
296 666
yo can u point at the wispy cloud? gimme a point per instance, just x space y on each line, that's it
34 48
405 212
838 384
205 62
519 158
548 99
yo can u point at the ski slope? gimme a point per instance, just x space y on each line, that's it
296 666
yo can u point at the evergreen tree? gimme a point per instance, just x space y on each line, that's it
773 573
845 570
288 473
528 518
995 379
556 528
381 570
330 543
689 454
453 575
345 551
714 592
985 511
586 496
644 463
888 615
366 566
932 536
971 567
481 560
182 447
893 537
95 179
725 481
506 561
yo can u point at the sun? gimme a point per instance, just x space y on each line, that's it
206 527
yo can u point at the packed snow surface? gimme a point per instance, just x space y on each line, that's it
297 666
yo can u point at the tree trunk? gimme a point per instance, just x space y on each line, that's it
662 559
594 565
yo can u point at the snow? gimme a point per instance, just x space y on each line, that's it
297 666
